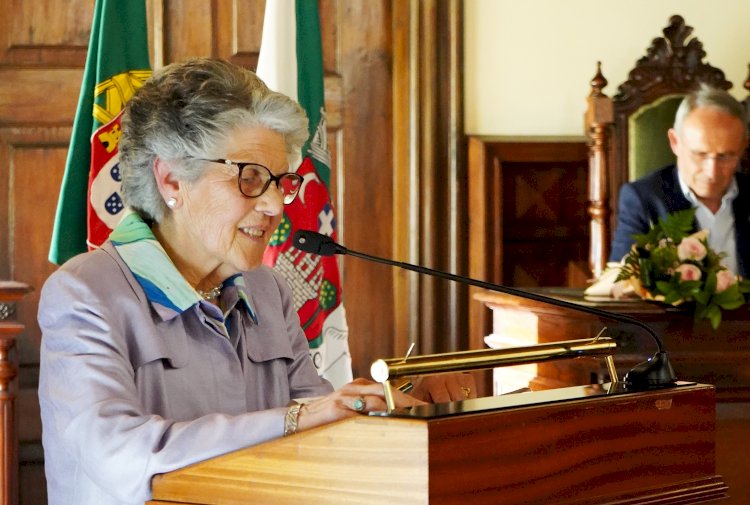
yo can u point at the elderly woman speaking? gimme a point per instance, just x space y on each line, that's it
172 344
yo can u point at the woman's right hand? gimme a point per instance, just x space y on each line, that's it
358 397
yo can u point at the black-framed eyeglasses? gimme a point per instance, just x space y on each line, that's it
253 180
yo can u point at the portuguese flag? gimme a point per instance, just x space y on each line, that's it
291 62
117 64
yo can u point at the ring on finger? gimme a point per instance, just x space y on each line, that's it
359 404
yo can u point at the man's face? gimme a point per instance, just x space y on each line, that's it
708 150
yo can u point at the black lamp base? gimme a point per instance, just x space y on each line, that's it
656 372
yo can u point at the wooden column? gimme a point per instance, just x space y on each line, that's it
10 293
429 174
598 118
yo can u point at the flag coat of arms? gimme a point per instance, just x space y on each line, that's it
291 62
117 64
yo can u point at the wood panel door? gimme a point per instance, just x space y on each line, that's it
42 55
527 224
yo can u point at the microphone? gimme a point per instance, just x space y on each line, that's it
655 372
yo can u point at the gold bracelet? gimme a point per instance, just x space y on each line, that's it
291 419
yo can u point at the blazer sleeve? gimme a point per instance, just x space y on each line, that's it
632 218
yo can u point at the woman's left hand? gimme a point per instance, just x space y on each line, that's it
358 397
445 387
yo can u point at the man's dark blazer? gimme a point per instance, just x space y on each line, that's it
646 200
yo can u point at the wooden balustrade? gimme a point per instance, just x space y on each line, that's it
10 293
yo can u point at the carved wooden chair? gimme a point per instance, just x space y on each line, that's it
628 132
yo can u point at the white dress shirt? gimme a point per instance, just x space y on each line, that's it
720 226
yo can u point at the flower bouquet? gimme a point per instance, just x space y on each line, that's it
672 266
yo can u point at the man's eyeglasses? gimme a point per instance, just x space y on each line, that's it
723 159
253 180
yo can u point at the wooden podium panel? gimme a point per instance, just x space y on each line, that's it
697 352
579 445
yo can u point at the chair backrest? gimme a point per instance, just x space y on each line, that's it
628 132
648 146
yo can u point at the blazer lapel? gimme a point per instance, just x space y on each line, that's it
675 198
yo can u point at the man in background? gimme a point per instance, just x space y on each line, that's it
709 136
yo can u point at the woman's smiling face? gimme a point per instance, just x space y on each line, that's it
229 230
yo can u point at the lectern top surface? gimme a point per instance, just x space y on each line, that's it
517 400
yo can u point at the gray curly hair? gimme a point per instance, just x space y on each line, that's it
184 111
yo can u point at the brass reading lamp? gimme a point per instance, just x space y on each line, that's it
656 372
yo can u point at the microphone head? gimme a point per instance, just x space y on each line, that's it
316 243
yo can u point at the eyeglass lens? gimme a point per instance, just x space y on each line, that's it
255 179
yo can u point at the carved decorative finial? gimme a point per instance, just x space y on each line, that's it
598 82
674 61
677 32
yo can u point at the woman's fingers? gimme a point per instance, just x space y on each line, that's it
360 404
443 388
358 397
469 387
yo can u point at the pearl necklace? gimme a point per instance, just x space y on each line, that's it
211 293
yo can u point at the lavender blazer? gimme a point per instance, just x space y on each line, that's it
127 391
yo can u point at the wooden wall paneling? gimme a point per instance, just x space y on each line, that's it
365 182
34 152
329 12
453 154
190 29
181 29
32 161
5 211
429 185
241 25
448 309
544 221
485 232
59 42
429 174
528 224
38 96
41 59
405 173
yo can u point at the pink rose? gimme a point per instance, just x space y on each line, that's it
689 272
691 249
724 279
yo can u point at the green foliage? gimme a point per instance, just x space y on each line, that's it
655 266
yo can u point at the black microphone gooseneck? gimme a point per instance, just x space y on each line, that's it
655 372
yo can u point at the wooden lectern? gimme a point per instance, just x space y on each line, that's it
697 351
577 445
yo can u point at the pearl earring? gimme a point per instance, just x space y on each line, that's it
172 202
